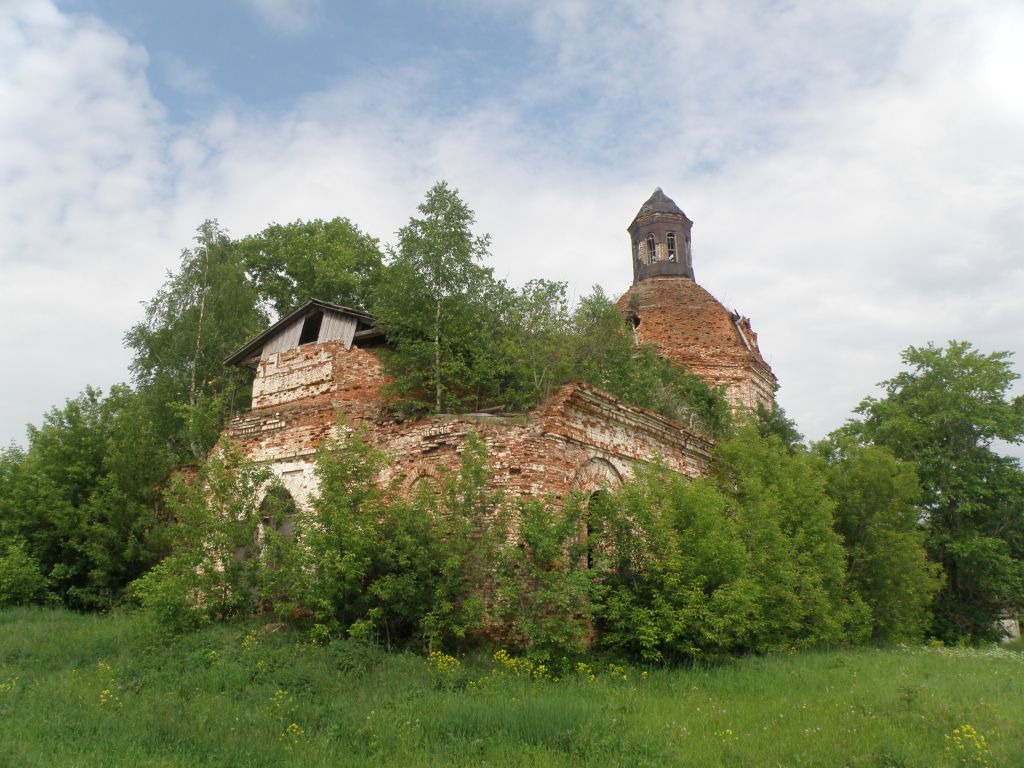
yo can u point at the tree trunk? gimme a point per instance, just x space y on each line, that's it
437 358
192 396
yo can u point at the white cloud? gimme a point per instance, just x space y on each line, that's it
287 16
887 220
81 206
853 177
184 78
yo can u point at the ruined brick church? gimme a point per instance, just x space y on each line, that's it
321 361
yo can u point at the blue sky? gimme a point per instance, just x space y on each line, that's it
855 171
267 55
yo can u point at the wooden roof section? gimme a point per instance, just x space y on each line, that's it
337 323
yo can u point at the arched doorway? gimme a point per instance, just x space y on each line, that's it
277 512
594 479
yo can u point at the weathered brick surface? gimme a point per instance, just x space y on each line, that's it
689 326
549 450
302 374
315 374
580 439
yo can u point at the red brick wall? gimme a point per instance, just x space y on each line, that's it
689 326
545 452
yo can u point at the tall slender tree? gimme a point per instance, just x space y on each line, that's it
432 302
201 314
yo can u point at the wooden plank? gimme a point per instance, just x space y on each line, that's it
338 327
286 338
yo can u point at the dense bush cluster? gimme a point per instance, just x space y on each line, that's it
663 569
905 523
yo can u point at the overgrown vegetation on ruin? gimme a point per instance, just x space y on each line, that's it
904 524
664 569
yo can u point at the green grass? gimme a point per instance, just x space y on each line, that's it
216 698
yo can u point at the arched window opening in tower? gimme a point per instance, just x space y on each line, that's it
651 252
670 245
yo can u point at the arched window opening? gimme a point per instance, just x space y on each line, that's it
670 245
427 487
651 250
277 512
311 328
277 525
276 516
594 479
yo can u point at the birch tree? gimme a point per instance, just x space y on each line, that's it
202 313
433 305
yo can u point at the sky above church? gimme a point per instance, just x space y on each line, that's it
854 171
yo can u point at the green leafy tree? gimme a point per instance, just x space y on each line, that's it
797 561
21 580
12 482
876 514
945 414
462 340
773 421
28 506
329 260
675 392
602 345
82 497
472 524
543 583
218 566
382 567
369 555
535 341
432 303
602 352
204 311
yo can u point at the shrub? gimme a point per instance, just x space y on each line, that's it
671 576
543 607
21 579
219 566
168 593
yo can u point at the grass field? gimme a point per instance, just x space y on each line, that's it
112 691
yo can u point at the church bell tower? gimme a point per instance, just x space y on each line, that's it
661 239
685 323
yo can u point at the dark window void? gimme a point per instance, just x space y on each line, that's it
652 252
589 532
277 521
277 510
311 328
670 245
